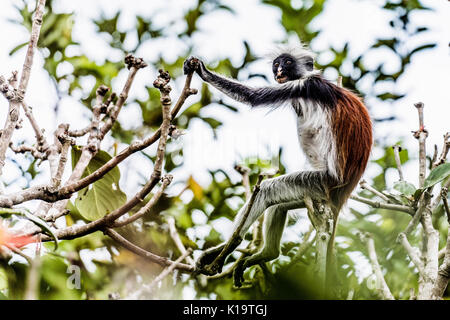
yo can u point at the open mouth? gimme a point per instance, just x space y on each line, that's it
281 79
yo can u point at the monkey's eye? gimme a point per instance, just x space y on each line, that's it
288 62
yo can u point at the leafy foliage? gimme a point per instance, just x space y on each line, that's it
104 195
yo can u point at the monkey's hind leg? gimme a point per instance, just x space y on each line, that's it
281 190
274 223
212 260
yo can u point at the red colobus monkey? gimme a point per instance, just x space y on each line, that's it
334 131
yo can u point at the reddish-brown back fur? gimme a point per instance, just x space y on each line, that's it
352 129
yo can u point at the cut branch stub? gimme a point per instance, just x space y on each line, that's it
102 90
132 61
161 83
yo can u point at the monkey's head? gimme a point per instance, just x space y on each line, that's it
292 64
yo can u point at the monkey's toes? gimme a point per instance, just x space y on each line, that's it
238 275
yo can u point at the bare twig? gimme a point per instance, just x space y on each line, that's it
42 144
421 135
411 252
33 278
19 252
56 180
438 198
166 180
177 240
162 83
443 276
365 185
397 150
168 270
80 132
444 152
258 225
382 285
377 204
14 103
146 254
419 213
133 64
244 171
24 149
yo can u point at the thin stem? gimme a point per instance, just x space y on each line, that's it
177 240
397 150
382 285
368 187
377 204
148 206
146 254
168 270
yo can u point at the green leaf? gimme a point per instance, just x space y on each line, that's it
18 47
437 175
213 123
389 95
405 188
104 195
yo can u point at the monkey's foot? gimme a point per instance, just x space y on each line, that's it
206 263
238 274
190 65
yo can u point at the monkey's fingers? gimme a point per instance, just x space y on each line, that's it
190 65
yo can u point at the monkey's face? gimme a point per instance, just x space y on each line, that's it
286 68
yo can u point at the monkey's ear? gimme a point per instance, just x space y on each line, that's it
309 64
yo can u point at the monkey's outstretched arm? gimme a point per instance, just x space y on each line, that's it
239 92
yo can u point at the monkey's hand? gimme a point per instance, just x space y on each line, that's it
191 64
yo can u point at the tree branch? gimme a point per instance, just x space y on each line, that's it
383 287
168 270
377 204
176 239
365 185
14 103
397 150
146 254
166 180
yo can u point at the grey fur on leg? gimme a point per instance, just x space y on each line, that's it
282 190
274 223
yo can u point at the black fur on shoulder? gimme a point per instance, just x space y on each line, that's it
317 89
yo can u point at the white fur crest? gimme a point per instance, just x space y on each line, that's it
298 51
